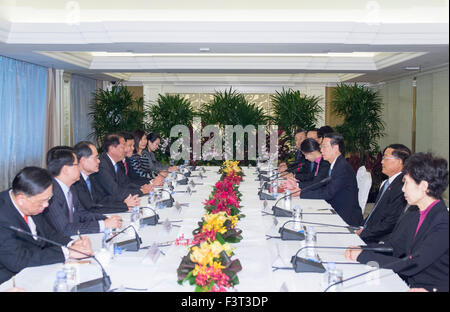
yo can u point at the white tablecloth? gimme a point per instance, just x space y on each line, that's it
256 254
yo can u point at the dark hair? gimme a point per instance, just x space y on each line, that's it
153 136
111 139
300 130
58 157
31 181
399 151
324 130
309 145
427 167
138 134
126 135
83 149
336 139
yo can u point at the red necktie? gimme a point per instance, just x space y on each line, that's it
25 217
125 165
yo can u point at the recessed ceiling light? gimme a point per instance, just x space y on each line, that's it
205 49
412 68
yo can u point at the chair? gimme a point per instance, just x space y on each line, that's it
364 180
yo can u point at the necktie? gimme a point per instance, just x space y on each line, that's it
125 165
329 172
88 183
385 186
70 203
25 217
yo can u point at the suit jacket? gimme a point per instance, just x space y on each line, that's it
322 173
302 171
388 209
19 251
95 201
57 214
111 183
341 192
428 267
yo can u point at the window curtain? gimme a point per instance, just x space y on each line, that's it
22 117
82 93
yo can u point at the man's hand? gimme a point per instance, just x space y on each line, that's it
163 173
82 245
359 231
282 167
158 181
173 168
132 201
146 188
353 252
113 222
290 184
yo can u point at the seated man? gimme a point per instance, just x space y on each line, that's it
65 212
87 187
342 190
301 169
390 201
22 207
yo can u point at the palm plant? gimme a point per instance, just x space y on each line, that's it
361 108
292 110
169 111
115 110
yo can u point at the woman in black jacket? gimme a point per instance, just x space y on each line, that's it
421 237
319 167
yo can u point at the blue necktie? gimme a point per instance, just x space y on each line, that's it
115 167
88 182
329 172
70 204
385 186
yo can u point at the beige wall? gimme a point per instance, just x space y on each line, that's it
432 113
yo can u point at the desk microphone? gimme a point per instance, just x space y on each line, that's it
167 202
387 266
313 266
153 220
130 245
98 285
279 212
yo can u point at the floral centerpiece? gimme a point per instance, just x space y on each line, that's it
208 264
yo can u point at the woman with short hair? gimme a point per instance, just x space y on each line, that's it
421 236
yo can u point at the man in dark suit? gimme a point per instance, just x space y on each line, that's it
342 190
65 213
302 168
111 174
87 187
390 202
22 207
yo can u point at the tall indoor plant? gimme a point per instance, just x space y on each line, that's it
363 126
115 110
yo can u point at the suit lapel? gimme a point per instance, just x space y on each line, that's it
426 223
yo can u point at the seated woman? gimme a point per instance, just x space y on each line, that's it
421 237
148 154
139 166
320 169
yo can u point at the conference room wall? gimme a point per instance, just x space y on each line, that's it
432 113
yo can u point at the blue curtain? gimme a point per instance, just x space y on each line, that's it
22 117
81 89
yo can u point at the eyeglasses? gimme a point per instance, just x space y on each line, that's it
386 157
39 202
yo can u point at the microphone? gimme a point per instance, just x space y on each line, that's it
98 285
153 220
167 202
130 245
288 234
387 266
313 266
279 212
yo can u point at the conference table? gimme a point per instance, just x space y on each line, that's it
260 251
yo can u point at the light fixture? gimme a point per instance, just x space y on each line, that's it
412 68
205 49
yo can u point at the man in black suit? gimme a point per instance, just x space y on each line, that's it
65 213
111 174
87 187
421 238
390 202
302 168
342 190
22 207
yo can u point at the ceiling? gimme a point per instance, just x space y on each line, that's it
204 41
